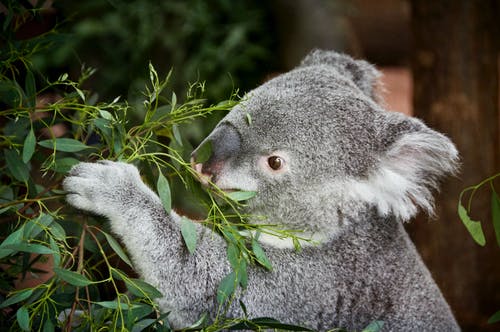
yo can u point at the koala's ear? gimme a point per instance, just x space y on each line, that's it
414 158
363 74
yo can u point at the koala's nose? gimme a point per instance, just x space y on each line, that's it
212 154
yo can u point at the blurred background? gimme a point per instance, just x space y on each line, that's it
439 59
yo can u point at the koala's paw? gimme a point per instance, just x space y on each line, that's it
105 188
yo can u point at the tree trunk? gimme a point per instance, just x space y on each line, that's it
455 72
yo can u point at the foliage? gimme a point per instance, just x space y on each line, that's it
81 277
224 42
474 227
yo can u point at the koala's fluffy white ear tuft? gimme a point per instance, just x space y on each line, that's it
364 75
407 174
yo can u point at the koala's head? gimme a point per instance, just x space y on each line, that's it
316 146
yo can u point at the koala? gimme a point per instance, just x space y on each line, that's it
325 158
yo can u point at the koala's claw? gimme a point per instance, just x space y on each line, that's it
103 187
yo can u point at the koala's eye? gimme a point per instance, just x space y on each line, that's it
275 162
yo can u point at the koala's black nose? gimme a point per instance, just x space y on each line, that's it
211 155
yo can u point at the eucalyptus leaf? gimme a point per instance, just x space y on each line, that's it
10 93
143 324
260 255
58 231
474 227
14 238
117 248
29 146
495 318
203 152
48 326
173 102
114 305
275 324
23 318
35 226
30 247
233 255
262 323
56 253
80 93
63 165
141 288
177 134
30 89
226 287
495 214
164 193
16 166
374 326
106 115
17 297
188 231
72 278
239 196
64 144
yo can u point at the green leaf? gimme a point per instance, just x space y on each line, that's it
35 226
16 166
174 100
238 264
239 196
30 247
233 255
495 318
188 231
374 326
29 146
261 323
160 113
80 93
177 134
48 326
139 311
114 305
58 231
13 238
226 287
141 288
200 323
260 255
143 324
275 324
474 227
72 278
495 214
64 144
10 93
203 152
30 89
23 318
17 297
117 248
55 251
249 119
63 165
243 308
164 193
106 115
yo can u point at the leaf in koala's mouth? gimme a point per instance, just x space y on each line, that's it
203 152
238 196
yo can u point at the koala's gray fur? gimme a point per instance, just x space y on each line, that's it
352 174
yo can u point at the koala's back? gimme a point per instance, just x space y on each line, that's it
366 276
